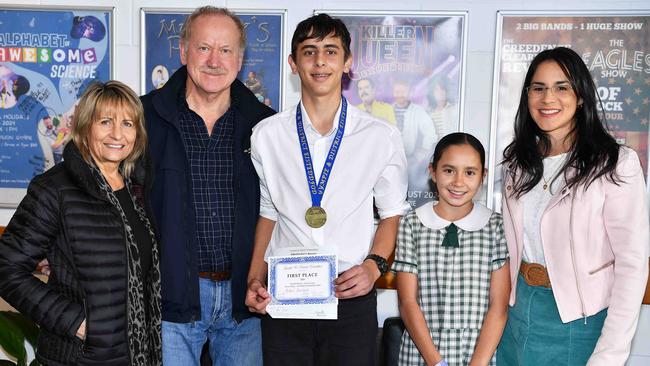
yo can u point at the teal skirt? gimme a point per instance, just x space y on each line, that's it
535 335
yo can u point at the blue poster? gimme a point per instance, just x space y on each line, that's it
262 67
47 58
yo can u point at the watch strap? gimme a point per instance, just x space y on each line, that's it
382 264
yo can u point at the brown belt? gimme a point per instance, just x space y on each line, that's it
215 276
535 274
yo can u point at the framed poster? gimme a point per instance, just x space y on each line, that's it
263 67
615 46
408 68
48 55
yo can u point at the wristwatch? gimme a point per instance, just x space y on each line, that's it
441 363
382 265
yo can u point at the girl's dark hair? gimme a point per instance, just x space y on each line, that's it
456 138
594 153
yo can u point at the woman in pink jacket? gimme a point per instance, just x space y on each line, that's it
576 221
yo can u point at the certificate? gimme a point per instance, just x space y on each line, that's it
302 286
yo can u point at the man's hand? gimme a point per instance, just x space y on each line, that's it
43 267
81 332
357 281
257 297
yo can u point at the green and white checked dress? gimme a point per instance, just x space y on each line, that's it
454 283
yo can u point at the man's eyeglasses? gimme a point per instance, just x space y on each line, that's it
538 91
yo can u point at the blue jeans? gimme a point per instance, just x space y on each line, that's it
231 343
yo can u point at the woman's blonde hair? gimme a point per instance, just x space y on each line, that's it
100 98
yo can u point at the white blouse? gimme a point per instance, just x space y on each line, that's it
534 204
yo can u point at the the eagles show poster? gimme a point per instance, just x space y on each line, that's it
408 70
261 69
47 59
615 48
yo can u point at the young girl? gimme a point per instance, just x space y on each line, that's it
576 221
452 267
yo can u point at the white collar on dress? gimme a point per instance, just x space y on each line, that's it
475 220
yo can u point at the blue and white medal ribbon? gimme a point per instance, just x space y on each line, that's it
316 215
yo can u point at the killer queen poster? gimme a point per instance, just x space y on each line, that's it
408 69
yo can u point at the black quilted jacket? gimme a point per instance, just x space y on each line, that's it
66 218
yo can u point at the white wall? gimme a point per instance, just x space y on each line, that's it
480 58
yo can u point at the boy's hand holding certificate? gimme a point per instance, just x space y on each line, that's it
301 285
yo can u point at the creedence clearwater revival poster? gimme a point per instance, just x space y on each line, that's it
615 48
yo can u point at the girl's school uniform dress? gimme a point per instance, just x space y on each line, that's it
453 282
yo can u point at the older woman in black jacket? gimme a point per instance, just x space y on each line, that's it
90 217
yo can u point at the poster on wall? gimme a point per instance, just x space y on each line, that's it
262 68
408 69
48 56
614 46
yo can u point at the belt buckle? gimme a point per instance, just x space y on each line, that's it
536 275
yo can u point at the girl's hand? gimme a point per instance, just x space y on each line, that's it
475 363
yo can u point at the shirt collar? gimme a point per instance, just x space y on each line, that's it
182 100
307 122
475 220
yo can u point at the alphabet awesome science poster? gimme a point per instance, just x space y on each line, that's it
47 58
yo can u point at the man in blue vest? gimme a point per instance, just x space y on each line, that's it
206 194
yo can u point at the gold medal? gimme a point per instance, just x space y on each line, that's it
315 217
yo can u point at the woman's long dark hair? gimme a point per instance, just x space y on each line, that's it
594 153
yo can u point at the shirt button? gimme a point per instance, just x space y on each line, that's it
509 187
214 213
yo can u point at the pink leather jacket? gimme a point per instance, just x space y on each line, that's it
596 245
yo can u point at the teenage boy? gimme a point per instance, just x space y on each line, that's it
369 167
